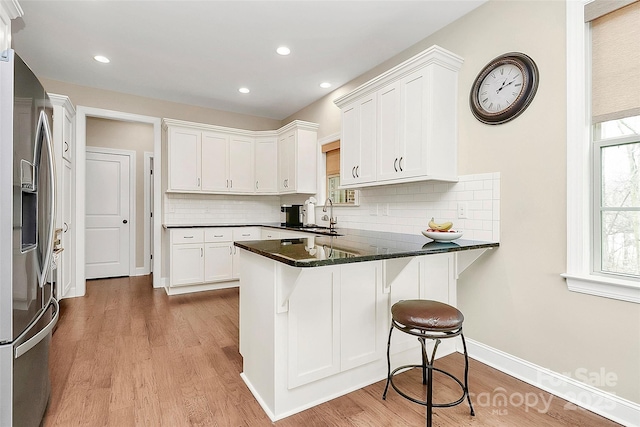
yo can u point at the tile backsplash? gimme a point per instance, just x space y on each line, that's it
407 208
202 209
400 208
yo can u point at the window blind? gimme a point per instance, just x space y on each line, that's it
615 62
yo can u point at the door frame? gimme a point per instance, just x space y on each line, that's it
132 198
149 169
82 113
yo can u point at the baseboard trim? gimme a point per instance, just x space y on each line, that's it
578 393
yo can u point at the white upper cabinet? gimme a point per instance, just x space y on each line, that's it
411 122
358 159
266 161
297 158
216 160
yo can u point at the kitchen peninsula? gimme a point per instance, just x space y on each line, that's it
314 312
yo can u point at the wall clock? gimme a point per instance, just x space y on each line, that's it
504 88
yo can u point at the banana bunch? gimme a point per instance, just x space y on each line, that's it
445 226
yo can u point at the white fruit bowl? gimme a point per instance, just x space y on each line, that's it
442 236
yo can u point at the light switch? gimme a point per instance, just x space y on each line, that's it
462 210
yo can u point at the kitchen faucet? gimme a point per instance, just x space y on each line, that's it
332 220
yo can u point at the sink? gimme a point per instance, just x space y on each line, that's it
321 230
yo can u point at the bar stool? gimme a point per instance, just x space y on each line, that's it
431 320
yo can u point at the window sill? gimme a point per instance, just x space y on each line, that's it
620 289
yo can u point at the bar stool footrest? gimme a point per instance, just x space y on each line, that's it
422 402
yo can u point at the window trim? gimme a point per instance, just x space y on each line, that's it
579 276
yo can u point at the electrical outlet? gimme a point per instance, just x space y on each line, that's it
462 210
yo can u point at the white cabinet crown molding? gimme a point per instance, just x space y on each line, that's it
11 9
296 124
432 55
63 101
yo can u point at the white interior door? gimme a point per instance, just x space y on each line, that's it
107 215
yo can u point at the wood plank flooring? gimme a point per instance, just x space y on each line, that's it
129 355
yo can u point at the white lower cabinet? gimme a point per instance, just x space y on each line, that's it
218 261
339 316
207 255
337 321
187 264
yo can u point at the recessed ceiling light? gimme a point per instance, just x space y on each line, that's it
102 59
283 50
325 85
244 90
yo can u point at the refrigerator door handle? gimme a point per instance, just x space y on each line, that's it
34 340
43 124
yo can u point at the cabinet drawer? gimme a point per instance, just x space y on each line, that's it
187 235
246 233
218 235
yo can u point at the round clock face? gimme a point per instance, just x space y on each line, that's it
500 88
504 88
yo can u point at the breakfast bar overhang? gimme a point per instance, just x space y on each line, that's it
314 312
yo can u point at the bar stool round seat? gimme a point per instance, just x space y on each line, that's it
436 321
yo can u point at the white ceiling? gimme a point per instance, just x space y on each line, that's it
201 52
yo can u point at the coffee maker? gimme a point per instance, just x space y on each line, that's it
291 215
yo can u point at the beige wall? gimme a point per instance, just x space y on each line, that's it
131 136
514 298
108 100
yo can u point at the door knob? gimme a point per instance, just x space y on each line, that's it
124 221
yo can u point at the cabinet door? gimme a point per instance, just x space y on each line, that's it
241 165
413 134
266 161
67 137
215 161
286 162
67 228
187 264
218 261
184 159
313 327
358 142
350 143
388 132
363 314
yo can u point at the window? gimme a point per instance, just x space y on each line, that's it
338 196
616 153
603 148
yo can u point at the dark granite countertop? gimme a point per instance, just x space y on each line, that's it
353 245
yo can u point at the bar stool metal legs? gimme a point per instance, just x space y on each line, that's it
427 367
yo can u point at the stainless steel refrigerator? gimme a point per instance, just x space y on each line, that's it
28 310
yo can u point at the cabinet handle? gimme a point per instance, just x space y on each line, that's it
230 183
66 227
357 171
66 146
218 235
246 235
188 237
256 185
400 163
201 252
230 250
198 182
395 164
353 172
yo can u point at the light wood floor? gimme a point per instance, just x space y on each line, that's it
128 355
